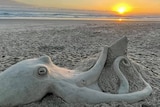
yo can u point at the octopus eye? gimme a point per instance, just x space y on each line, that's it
42 71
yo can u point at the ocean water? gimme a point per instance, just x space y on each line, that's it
36 14
47 14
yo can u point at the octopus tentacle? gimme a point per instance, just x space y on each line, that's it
75 94
124 85
92 75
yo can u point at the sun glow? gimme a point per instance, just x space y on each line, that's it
122 8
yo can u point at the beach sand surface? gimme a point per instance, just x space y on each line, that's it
68 42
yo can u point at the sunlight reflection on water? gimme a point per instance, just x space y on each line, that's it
106 19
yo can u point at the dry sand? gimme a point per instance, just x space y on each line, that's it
70 42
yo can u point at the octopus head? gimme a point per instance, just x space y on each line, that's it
26 81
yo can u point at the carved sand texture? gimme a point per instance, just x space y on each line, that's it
20 82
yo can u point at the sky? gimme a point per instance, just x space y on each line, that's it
12 3
119 6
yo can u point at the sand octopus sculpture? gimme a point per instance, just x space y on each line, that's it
30 80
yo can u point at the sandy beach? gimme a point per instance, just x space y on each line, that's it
68 42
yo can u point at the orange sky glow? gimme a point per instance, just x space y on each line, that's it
118 6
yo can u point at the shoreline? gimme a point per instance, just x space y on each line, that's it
10 23
84 19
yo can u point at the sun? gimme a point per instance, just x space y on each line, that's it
122 8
